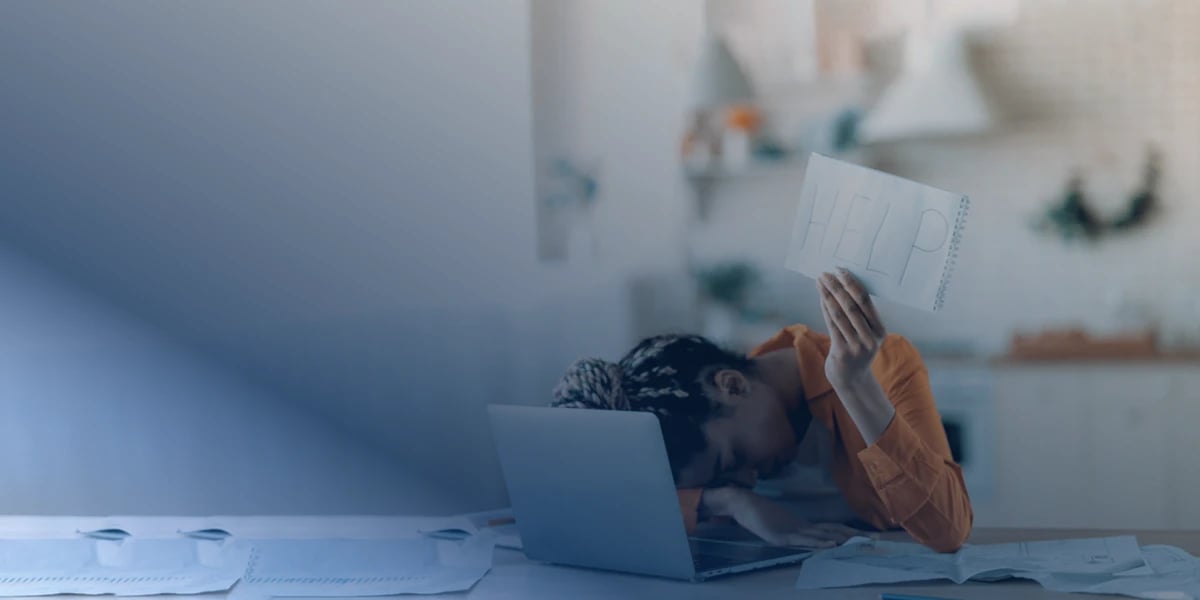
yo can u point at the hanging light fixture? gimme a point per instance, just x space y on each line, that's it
718 79
718 82
935 93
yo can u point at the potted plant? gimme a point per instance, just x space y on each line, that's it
724 290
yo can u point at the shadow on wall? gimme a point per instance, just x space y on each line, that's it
277 200
414 381
418 379
98 415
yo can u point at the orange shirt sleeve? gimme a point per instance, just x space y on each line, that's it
689 505
910 465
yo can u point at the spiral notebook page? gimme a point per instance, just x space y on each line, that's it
899 237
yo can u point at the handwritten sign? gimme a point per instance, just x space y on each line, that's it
899 237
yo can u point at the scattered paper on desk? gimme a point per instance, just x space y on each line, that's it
499 522
128 567
1169 573
898 237
363 567
862 561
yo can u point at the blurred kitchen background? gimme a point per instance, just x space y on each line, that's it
278 257
1065 361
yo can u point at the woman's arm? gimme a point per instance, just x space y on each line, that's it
909 462
907 457
773 522
689 504
910 465
867 404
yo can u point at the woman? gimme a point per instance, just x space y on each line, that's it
858 395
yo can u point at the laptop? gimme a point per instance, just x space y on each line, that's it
593 488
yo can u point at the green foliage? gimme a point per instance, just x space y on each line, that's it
728 283
1071 217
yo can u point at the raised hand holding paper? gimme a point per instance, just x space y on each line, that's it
898 237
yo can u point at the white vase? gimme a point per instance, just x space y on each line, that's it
735 150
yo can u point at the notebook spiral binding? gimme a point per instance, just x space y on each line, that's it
960 221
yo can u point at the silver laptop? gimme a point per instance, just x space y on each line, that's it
593 488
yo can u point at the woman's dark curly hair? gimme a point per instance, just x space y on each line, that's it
665 375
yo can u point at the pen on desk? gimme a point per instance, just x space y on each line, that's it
886 596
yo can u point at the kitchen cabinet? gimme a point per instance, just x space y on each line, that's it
1129 446
1091 445
1041 454
1184 453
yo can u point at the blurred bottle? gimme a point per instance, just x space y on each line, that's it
741 124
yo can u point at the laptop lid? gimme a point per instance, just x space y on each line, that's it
592 488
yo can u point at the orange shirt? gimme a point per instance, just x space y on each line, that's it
907 478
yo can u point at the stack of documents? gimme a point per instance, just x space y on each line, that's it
1112 565
123 567
1169 573
251 557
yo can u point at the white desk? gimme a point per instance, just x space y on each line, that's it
515 577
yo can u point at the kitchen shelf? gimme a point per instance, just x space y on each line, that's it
756 168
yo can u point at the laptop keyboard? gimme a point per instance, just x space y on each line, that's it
708 555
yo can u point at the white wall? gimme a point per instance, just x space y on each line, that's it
334 200
100 415
610 83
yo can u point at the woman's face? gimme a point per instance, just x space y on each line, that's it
752 438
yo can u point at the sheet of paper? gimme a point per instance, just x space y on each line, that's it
1094 556
1169 573
898 237
499 522
862 561
363 567
122 567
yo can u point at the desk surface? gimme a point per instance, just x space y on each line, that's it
515 577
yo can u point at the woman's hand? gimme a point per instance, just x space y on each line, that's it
855 330
774 523
856 333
